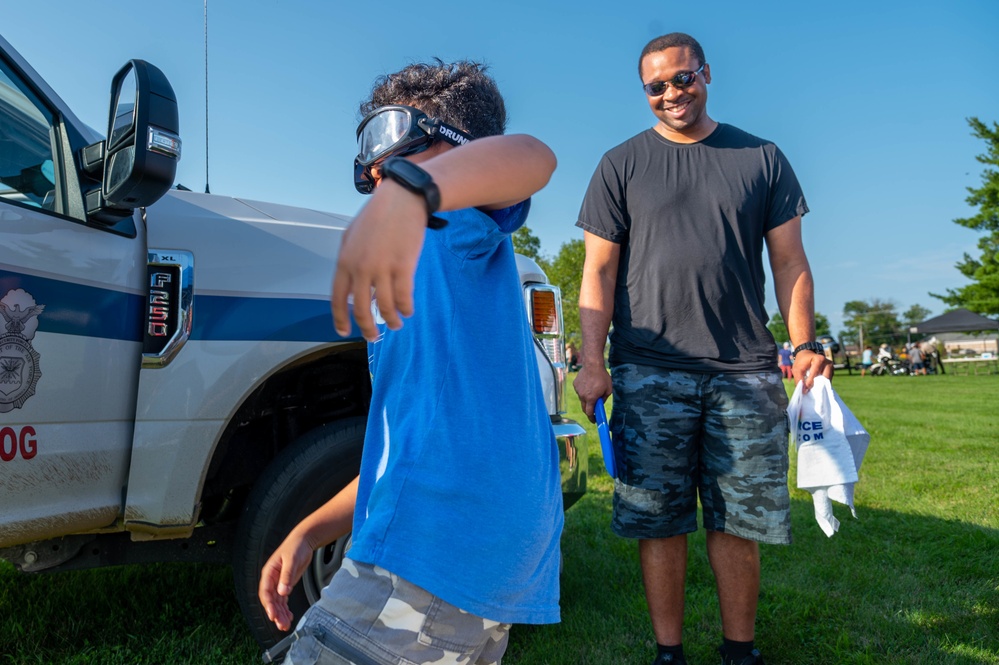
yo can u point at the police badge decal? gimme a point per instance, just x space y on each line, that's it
19 371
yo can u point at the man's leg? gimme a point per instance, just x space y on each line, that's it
655 422
736 565
743 494
664 572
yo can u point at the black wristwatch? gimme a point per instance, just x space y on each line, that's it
418 181
809 346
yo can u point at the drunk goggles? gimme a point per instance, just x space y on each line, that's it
680 81
397 130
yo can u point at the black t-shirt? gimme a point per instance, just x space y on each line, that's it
691 220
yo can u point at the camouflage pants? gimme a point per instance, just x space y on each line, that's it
369 616
680 436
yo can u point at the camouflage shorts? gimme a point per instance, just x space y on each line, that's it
369 616
680 436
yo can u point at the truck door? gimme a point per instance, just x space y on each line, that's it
71 310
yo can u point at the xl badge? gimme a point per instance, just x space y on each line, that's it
19 371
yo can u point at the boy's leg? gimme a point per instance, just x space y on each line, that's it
370 616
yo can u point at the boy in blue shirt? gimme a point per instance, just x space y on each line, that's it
454 462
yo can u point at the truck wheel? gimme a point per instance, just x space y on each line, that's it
303 477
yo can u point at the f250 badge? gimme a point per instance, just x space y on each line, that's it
19 372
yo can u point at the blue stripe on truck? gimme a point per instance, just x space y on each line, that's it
268 319
77 309
91 311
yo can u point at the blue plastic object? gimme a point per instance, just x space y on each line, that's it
603 431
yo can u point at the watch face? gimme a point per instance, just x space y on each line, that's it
415 179
410 172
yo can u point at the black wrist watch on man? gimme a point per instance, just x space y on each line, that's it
809 346
418 181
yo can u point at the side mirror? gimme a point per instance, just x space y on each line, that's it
143 147
139 159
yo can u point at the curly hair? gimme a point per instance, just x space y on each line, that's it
673 39
460 94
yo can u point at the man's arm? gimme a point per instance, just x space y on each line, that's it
381 248
596 309
796 298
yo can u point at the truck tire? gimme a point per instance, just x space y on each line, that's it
300 479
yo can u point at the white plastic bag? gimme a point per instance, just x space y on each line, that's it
831 445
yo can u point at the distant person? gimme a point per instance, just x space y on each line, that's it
866 360
785 361
916 360
430 577
675 222
931 355
572 357
884 353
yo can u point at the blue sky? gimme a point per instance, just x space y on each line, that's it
867 99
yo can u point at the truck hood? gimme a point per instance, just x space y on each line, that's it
242 246
248 247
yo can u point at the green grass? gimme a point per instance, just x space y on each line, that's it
914 580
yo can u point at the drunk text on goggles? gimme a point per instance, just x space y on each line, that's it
396 131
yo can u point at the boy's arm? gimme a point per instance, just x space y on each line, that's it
491 173
285 566
381 248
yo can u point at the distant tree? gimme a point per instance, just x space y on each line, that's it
915 314
822 326
528 244
778 328
566 272
871 323
982 295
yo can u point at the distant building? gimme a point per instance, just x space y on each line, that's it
962 344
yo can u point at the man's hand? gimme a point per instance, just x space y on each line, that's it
592 383
279 576
808 365
379 252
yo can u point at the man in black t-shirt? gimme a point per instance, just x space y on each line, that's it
675 221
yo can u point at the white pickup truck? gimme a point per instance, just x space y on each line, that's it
171 386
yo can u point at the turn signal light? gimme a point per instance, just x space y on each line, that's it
544 314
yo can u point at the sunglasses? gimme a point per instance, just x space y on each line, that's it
397 130
680 81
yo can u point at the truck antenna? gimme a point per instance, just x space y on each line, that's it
206 98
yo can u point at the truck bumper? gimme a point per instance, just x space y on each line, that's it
573 459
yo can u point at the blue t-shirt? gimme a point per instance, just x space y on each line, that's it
460 491
785 357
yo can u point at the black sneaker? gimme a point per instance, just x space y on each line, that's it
754 658
669 659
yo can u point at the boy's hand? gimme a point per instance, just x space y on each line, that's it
379 252
279 576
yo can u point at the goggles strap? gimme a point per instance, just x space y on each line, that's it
440 130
